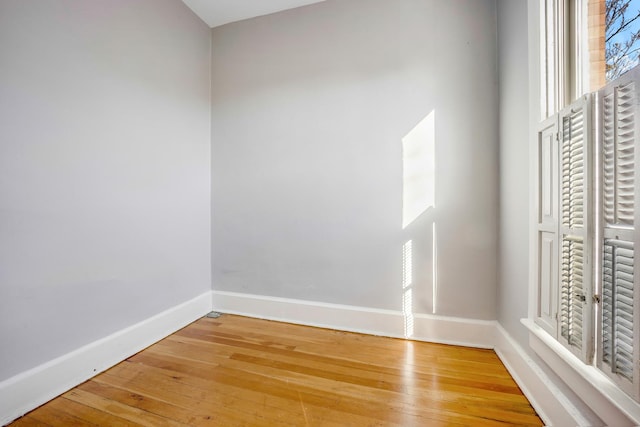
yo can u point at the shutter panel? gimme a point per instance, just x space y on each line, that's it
547 208
575 321
619 318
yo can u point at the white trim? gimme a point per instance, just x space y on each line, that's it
454 330
545 396
596 390
30 389
389 323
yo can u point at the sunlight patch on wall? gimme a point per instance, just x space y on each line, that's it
418 172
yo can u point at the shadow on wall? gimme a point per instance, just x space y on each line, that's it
419 272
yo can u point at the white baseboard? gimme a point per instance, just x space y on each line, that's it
612 405
454 330
545 396
28 390
389 323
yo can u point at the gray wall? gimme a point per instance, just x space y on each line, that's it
309 108
514 167
104 170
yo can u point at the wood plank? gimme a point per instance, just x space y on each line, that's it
88 414
56 418
147 403
120 410
239 371
29 421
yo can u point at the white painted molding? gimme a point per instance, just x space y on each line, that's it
30 389
389 323
547 399
454 330
608 401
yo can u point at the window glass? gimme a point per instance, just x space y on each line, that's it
614 39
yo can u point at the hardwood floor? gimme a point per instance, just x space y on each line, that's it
237 371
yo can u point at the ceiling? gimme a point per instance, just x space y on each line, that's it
220 12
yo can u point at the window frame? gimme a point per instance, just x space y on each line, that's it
565 75
564 56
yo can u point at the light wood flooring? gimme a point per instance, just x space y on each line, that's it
237 371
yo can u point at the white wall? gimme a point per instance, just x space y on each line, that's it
309 110
514 167
104 170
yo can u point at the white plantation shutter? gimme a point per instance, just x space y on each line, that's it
575 321
547 226
567 239
619 320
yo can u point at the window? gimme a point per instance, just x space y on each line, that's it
584 45
586 278
565 77
587 295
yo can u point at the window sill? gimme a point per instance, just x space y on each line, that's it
594 388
